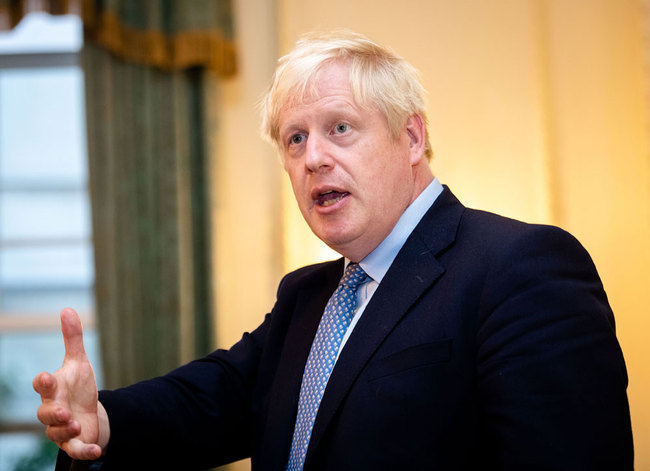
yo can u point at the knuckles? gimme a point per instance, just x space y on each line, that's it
44 384
60 433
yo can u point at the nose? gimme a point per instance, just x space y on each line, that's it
318 155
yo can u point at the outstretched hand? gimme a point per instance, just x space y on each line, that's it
74 418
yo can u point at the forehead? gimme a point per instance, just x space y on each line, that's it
332 76
330 85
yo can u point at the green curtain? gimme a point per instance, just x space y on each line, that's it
171 34
144 63
149 192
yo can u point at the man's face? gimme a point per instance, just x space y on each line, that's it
352 180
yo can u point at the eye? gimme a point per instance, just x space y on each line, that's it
296 139
341 128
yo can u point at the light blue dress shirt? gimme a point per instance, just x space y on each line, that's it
377 262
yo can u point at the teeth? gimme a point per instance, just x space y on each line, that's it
332 201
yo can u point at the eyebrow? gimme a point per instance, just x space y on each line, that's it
344 111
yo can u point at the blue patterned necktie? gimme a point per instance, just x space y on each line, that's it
333 325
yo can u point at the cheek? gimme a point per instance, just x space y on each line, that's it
391 185
386 173
295 179
300 193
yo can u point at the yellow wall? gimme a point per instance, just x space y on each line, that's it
600 126
246 176
538 110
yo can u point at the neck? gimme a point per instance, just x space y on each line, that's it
422 177
355 252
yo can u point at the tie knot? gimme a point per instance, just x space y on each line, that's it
354 276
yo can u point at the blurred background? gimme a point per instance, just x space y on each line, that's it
135 188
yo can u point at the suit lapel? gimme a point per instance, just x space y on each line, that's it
283 398
414 270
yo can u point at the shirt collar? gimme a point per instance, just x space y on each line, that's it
377 262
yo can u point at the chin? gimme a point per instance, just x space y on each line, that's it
335 235
339 244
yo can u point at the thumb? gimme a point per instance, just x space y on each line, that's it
72 335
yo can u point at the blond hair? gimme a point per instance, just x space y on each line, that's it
379 79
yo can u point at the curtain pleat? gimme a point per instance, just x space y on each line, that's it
171 34
168 34
148 195
143 63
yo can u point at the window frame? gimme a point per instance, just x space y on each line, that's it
12 322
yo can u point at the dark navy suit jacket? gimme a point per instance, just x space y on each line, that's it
488 345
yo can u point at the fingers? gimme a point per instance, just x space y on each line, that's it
63 433
51 413
58 421
79 450
45 385
62 430
72 335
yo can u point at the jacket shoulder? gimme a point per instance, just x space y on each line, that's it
495 231
315 274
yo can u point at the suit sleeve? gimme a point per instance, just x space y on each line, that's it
550 373
195 417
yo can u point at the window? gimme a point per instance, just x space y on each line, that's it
45 231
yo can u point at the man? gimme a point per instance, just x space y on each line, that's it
456 340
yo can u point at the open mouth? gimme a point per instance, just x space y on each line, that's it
329 198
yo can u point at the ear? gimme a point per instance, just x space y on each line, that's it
416 131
